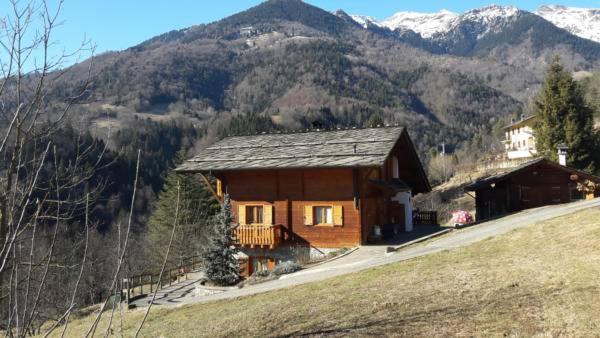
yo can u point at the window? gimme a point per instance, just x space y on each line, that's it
395 167
525 192
259 264
575 193
556 195
254 214
323 215
329 215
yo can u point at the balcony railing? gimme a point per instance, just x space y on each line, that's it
258 235
425 218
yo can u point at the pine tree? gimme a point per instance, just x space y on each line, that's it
197 206
222 267
375 120
564 117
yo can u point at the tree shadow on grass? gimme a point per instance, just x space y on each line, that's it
447 320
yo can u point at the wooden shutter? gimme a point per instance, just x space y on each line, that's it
338 215
219 188
242 214
308 215
268 214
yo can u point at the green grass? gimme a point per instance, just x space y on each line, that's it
539 280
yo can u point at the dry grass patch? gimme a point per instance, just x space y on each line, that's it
539 280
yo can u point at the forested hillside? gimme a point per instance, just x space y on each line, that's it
287 65
282 65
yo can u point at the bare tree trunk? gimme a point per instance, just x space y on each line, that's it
94 325
162 269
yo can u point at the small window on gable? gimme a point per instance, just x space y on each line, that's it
395 167
254 214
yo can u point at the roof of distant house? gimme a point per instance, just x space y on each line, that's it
484 182
368 147
520 121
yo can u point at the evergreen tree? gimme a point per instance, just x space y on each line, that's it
222 267
375 120
196 207
564 117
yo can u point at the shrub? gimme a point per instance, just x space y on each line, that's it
285 268
261 273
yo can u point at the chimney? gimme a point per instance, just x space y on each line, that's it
562 154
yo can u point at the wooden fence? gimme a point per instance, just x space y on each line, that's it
137 286
425 218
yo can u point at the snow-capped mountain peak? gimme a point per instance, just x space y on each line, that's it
365 20
584 22
490 19
426 24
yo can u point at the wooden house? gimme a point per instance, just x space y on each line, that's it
297 195
533 184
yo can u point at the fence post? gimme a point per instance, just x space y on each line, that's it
150 283
127 296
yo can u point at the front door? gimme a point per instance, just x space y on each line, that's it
397 215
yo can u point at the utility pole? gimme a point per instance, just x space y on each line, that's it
444 161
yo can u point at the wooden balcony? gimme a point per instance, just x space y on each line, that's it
258 235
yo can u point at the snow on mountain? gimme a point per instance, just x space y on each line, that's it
365 21
426 24
490 18
583 22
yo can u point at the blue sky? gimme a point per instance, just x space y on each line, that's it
118 24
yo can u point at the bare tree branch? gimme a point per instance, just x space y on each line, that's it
162 269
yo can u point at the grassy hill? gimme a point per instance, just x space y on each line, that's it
539 280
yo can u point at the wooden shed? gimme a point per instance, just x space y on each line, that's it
301 194
533 184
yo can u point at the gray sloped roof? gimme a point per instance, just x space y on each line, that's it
316 149
485 182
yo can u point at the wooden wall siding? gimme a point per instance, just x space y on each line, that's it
289 191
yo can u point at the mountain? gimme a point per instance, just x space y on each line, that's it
433 25
286 64
583 22
501 32
365 21
426 24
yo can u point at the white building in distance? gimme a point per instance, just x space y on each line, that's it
520 140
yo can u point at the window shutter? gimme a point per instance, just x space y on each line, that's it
308 215
268 214
242 214
219 188
338 215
